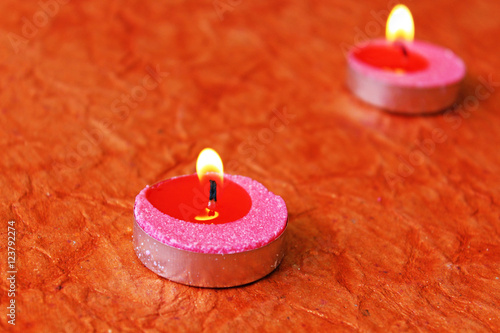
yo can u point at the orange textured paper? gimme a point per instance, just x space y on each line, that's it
394 221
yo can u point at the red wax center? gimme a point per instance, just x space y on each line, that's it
184 198
395 57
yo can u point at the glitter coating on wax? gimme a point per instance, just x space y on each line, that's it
265 221
444 67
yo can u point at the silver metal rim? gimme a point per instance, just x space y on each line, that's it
407 100
208 269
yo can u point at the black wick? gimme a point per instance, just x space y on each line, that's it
405 52
403 49
213 191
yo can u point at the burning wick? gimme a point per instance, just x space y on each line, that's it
210 213
212 199
208 163
403 49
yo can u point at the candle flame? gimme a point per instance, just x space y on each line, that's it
209 166
400 24
209 162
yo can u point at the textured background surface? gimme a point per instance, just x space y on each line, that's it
394 221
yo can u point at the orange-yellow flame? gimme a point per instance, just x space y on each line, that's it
400 24
209 162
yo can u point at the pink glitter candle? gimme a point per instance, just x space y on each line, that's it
402 75
240 242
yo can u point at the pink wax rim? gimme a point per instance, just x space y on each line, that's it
443 66
265 221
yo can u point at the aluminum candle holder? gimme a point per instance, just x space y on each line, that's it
207 269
